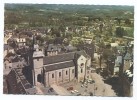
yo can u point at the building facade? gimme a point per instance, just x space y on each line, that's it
61 68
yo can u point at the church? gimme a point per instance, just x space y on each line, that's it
60 68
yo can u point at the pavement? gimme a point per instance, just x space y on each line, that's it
102 88
60 90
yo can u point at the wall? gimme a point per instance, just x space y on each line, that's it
38 65
49 80
126 65
38 62
81 60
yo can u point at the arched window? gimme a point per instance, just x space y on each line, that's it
81 70
59 74
52 75
39 78
72 70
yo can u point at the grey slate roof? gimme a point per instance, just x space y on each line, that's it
70 48
59 66
82 52
63 57
52 47
127 56
38 54
58 58
6 47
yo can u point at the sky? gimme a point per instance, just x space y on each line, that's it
90 2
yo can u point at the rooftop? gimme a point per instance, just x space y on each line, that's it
38 54
60 65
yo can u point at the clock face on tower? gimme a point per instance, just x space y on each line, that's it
81 65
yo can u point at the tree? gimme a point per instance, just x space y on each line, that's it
127 22
120 32
29 42
100 27
107 53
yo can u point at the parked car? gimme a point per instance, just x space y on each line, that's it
82 85
70 88
72 92
76 91
85 85
51 90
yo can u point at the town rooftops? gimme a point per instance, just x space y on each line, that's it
70 48
127 56
52 47
118 61
7 47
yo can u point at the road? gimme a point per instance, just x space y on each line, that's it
102 88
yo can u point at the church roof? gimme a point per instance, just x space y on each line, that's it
60 65
58 58
63 57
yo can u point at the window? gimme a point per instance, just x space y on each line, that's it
81 70
52 75
82 64
72 70
37 59
66 72
88 72
59 74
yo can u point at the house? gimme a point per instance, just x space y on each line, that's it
17 83
111 64
21 40
118 62
52 50
88 41
114 44
59 68
12 62
6 38
127 61
70 48
126 74
127 81
8 49
88 48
